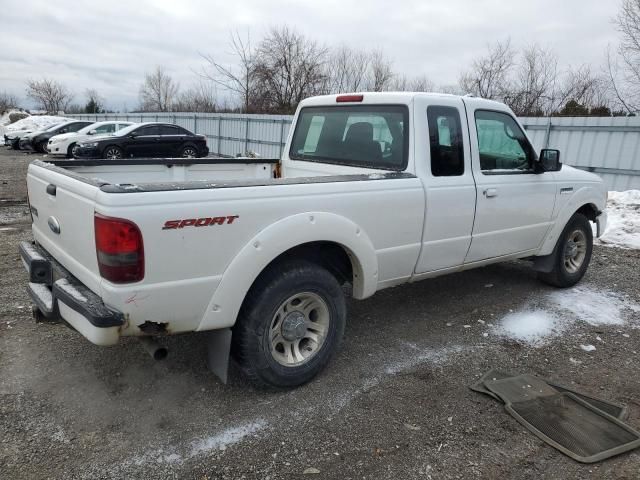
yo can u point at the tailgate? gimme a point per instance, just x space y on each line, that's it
62 210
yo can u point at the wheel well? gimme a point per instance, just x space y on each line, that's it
329 255
589 210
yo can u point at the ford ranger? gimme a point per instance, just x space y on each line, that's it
373 190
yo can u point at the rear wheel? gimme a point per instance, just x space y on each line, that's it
572 254
290 325
112 153
189 152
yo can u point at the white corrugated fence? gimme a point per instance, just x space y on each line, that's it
607 146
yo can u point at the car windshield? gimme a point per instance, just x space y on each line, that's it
126 130
50 128
88 128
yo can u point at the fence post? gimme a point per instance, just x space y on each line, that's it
174 119
547 134
219 152
195 123
281 137
246 136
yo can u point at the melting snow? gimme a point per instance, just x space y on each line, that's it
579 304
587 348
623 226
227 438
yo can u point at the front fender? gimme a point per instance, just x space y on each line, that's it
276 239
583 196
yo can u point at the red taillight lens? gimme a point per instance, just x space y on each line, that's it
119 248
349 98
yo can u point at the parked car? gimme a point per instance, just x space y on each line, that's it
66 143
146 140
38 141
12 138
376 190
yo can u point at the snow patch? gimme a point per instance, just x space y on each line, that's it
578 304
623 225
430 355
71 290
531 326
226 438
35 122
593 307
587 348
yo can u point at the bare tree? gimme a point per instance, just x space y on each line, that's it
381 74
238 79
49 95
533 89
158 91
585 87
401 83
200 97
288 68
489 75
625 80
7 102
346 70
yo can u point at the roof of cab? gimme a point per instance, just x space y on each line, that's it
398 98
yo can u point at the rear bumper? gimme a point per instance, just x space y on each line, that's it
58 294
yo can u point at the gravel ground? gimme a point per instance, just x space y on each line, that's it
394 404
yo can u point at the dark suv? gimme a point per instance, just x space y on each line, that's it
38 142
145 140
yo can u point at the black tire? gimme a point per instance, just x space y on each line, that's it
189 151
566 273
42 146
112 152
252 345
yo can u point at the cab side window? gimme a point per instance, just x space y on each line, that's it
150 130
445 140
503 147
106 128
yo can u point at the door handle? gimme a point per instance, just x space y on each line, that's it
491 192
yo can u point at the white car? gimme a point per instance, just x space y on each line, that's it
373 190
65 144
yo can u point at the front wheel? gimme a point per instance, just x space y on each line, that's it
572 254
290 325
71 151
113 153
42 146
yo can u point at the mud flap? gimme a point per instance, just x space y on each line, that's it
218 349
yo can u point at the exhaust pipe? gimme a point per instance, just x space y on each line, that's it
153 348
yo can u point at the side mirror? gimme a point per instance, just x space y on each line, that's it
91 132
133 135
550 160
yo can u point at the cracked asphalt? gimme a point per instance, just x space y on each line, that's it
394 403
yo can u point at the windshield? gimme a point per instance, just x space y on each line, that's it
370 136
52 127
126 130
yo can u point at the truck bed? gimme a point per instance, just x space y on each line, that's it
167 170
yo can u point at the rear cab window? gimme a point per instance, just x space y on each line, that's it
368 136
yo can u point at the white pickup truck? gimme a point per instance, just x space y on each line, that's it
373 190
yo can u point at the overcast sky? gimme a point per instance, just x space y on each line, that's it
109 45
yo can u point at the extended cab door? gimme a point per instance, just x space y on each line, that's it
444 164
515 205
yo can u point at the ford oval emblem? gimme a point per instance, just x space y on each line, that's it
54 225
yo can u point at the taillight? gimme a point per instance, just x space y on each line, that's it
349 98
119 248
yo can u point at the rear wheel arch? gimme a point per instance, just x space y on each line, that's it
324 238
